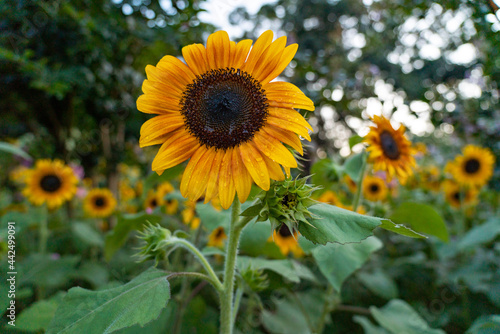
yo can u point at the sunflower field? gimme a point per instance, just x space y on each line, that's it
276 166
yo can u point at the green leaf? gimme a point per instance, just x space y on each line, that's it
47 271
354 164
39 314
337 262
481 234
368 326
137 302
379 283
354 140
333 224
325 172
9 148
211 218
489 324
126 223
400 229
283 267
422 218
254 241
84 232
399 317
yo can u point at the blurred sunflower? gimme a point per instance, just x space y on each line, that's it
162 190
99 203
151 201
217 237
350 184
389 150
189 215
374 188
51 182
474 167
286 241
456 196
222 112
329 197
127 193
19 174
430 178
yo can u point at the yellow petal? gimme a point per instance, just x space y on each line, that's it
226 183
161 91
241 53
177 69
290 115
258 48
275 171
174 87
287 137
255 165
274 150
241 177
201 175
218 48
188 172
286 58
214 175
269 59
176 149
154 130
289 99
289 126
195 56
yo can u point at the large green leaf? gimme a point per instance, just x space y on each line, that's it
137 302
400 229
47 271
489 324
254 241
39 314
126 223
353 166
399 317
368 326
481 234
87 234
333 224
337 262
212 218
379 283
9 148
422 218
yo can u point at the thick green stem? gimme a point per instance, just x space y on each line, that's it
360 184
210 271
43 234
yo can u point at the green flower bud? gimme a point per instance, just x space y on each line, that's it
156 239
255 278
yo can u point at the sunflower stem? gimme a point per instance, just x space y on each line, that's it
43 232
360 184
226 296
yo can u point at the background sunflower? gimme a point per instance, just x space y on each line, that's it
389 150
374 188
99 203
286 241
474 167
50 182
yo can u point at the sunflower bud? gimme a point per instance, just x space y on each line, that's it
286 202
156 239
255 278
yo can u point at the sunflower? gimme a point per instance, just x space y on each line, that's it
374 188
389 150
217 237
51 182
163 189
430 178
127 193
99 203
189 215
221 111
329 197
474 167
350 183
456 196
151 201
286 241
19 174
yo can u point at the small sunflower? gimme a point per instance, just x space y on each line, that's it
350 184
99 203
474 167
163 189
286 241
50 182
430 178
217 237
220 111
456 196
374 188
189 215
389 150
329 197
151 201
127 193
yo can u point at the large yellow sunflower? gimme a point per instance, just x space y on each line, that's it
287 242
221 111
374 188
50 182
474 167
389 149
99 203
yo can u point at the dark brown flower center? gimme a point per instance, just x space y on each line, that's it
224 108
153 203
374 188
50 183
389 146
457 196
472 166
219 232
284 231
100 201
